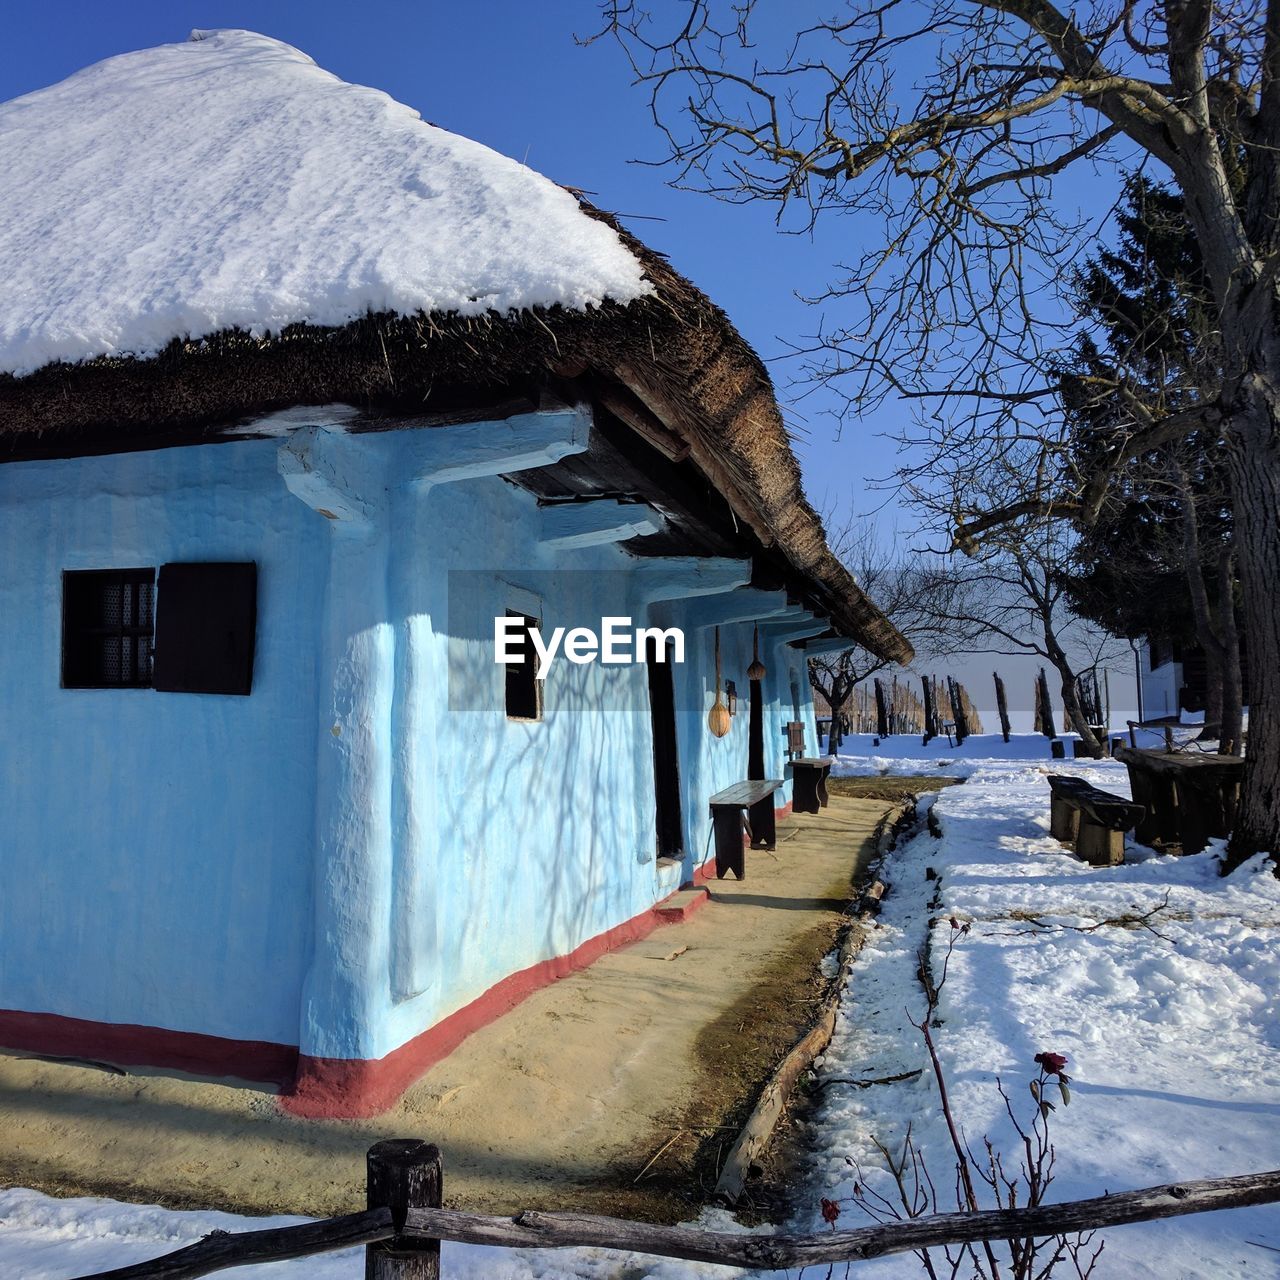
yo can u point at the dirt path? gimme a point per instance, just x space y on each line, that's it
659 1047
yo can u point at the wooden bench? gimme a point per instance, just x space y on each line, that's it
809 782
1091 820
748 804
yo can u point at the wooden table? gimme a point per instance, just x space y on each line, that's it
809 782
1190 797
755 800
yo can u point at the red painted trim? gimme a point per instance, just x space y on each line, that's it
673 914
332 1087
129 1045
352 1088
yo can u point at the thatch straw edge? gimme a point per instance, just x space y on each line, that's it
675 348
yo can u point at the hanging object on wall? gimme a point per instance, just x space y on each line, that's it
718 717
731 692
756 670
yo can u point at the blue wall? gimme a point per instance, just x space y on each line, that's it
366 843
154 847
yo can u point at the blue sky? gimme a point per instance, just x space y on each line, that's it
511 75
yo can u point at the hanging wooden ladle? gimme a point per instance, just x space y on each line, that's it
756 670
718 716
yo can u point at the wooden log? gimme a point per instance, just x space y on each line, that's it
765 1115
222 1249
403 1174
779 1252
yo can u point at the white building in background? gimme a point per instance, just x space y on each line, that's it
1160 677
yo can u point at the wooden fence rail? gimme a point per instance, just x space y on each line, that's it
404 1225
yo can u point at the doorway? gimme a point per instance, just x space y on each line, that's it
666 759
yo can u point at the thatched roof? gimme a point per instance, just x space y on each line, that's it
672 351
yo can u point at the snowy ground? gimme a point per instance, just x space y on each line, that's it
1173 1039
861 754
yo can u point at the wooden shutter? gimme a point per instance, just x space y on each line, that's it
206 618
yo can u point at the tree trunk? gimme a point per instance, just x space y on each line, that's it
1212 696
882 711
1231 732
1208 635
1254 459
837 699
1073 708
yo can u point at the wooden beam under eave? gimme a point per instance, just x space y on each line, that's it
628 409
568 526
668 410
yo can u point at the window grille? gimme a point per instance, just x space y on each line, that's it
108 622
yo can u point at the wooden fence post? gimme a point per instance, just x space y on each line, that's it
403 1173
1002 706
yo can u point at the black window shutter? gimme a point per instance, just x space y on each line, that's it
206 617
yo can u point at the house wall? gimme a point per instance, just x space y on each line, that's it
1161 687
356 857
155 847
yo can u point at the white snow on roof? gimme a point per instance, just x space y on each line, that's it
229 181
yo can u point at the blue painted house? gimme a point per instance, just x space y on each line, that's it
298 395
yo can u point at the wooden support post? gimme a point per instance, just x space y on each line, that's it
1064 819
1099 846
763 823
882 710
727 824
1002 706
403 1174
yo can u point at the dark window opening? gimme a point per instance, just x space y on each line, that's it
108 622
190 631
666 757
524 689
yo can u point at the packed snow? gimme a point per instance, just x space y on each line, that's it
1170 1019
228 181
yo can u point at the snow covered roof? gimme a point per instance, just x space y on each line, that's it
229 182
201 234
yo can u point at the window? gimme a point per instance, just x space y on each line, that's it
190 631
108 616
524 689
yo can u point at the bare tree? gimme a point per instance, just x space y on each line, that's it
1013 600
943 125
912 592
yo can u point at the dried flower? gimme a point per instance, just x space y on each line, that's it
830 1211
1052 1064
